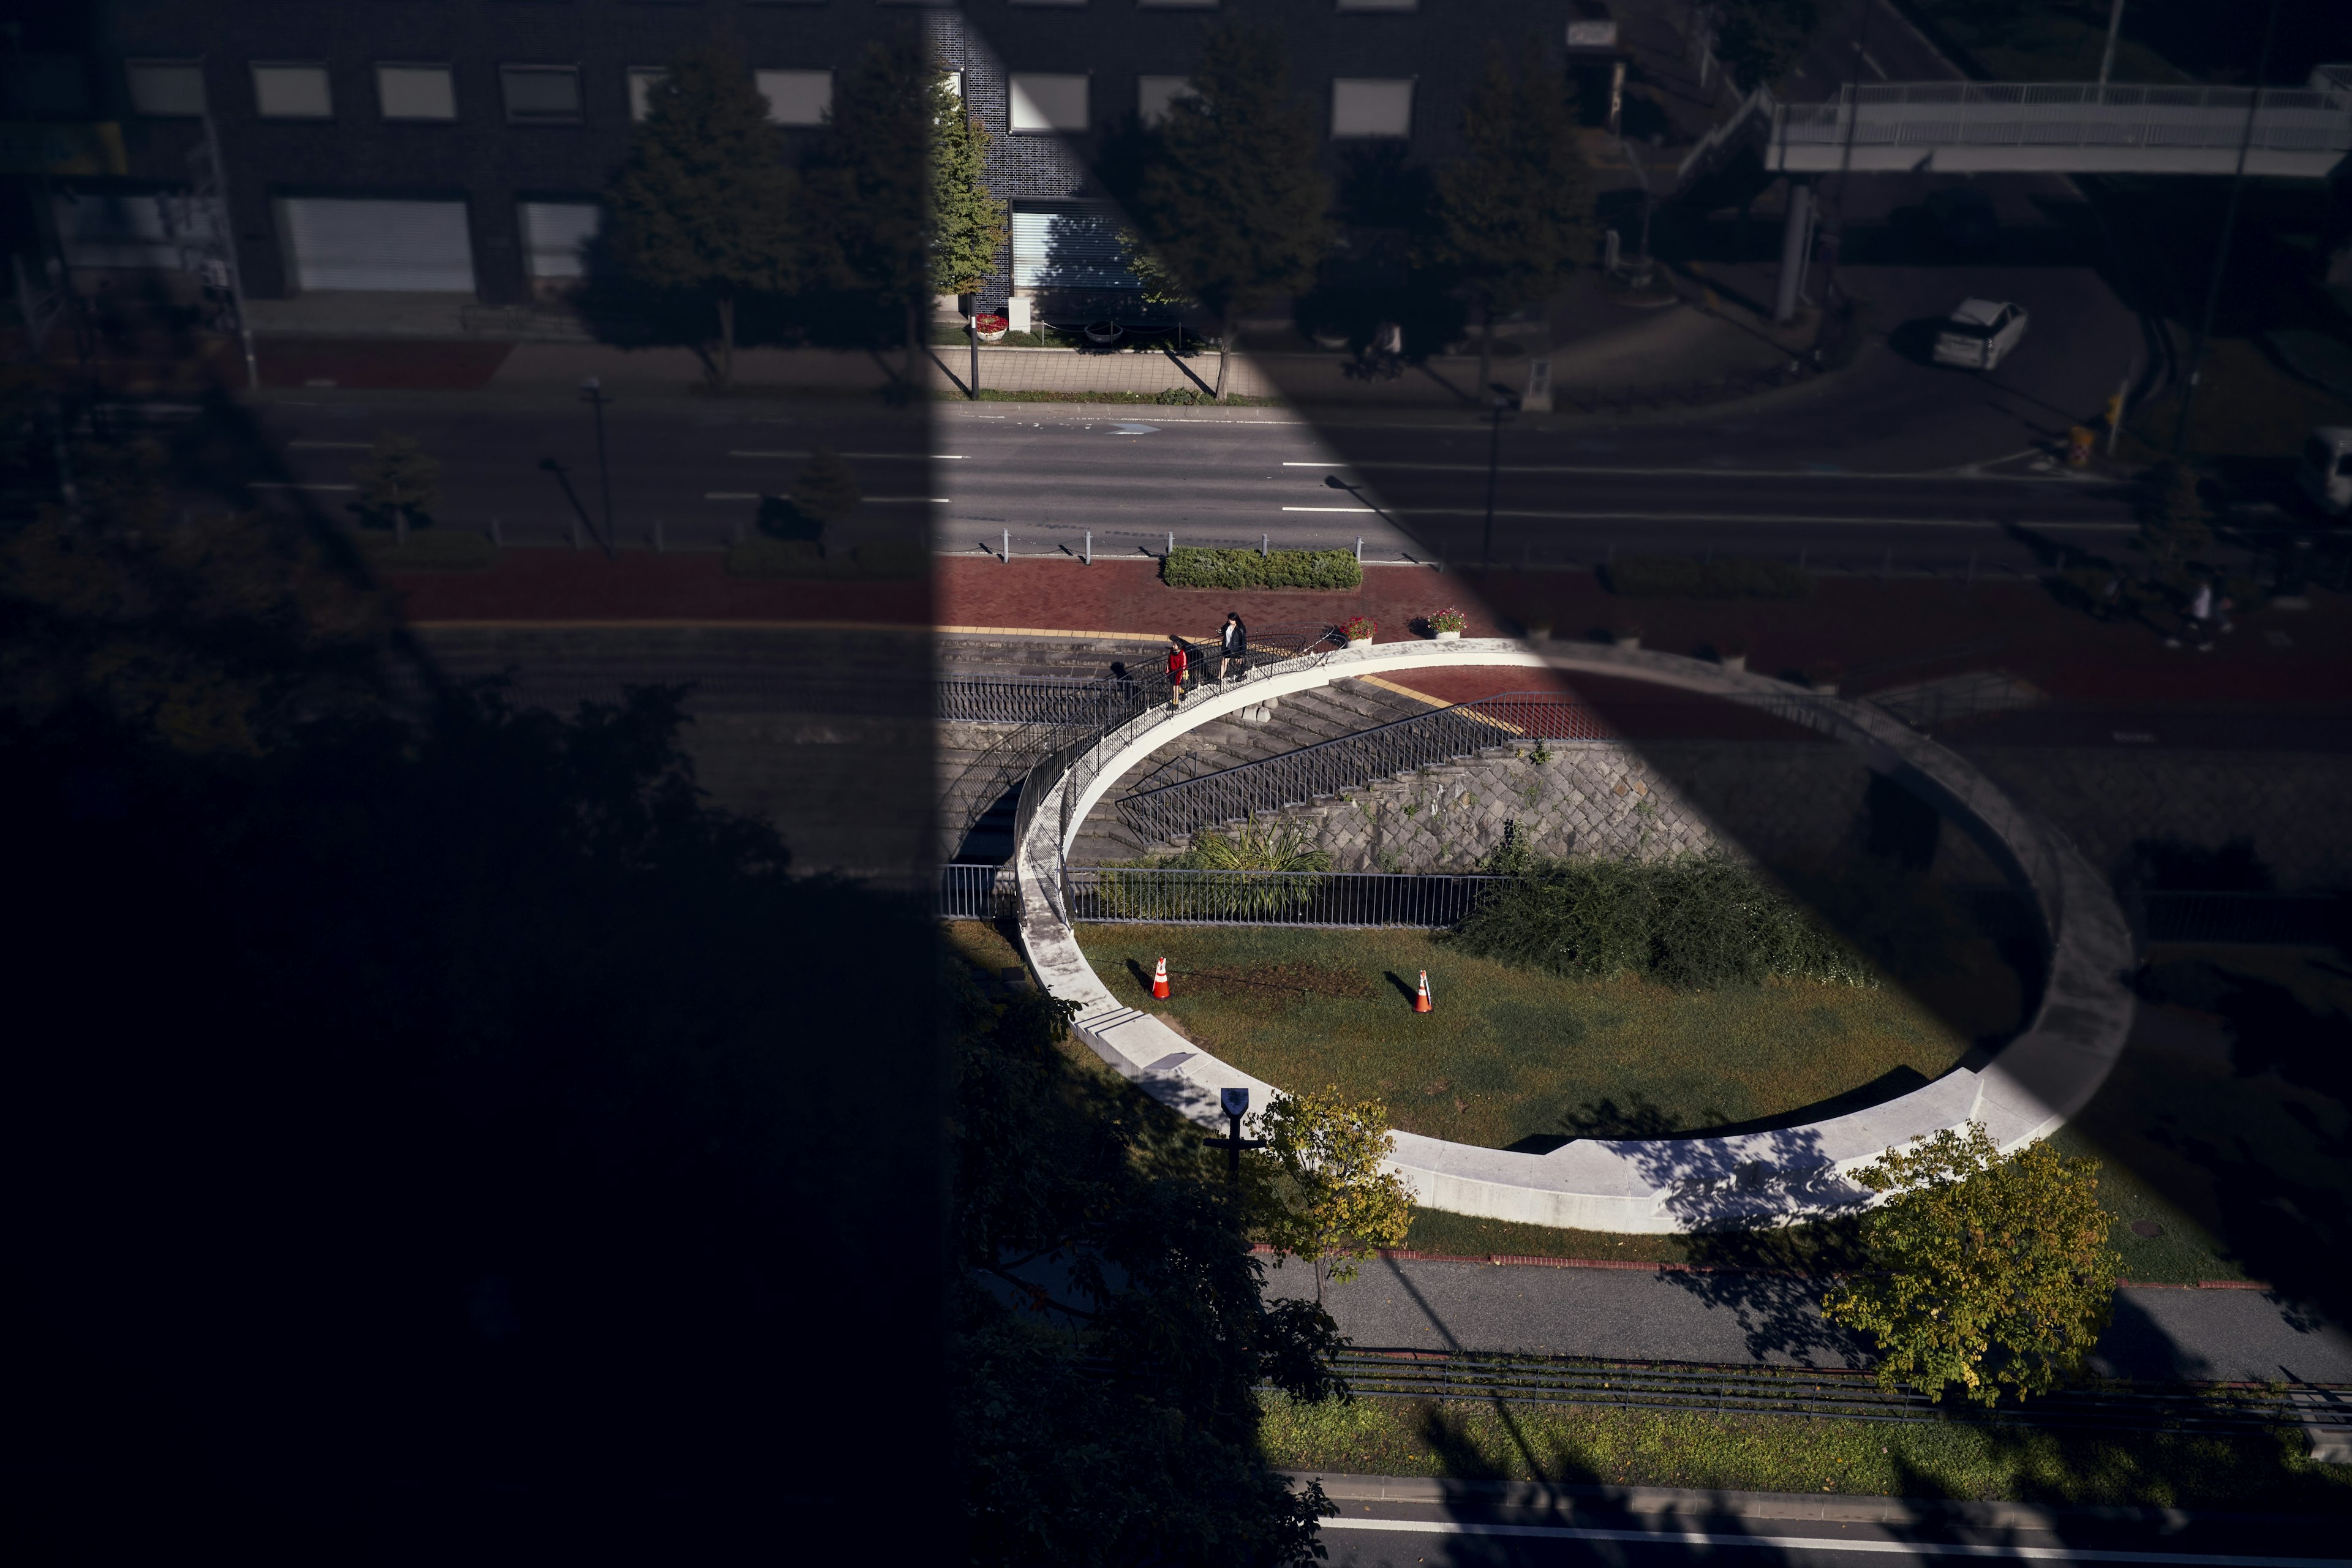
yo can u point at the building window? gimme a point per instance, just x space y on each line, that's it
555 236
541 95
1049 102
796 98
643 79
1153 94
416 93
166 88
1371 106
292 93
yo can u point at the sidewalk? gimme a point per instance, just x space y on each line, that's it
2160 1332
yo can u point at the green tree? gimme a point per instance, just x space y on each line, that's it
1322 1195
870 187
400 483
1231 200
704 202
1093 1233
1987 1271
1759 41
1515 214
968 223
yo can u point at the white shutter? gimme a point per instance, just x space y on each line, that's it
796 98
1068 250
116 230
414 246
552 234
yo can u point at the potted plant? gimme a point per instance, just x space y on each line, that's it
1731 652
1824 678
1448 625
1359 631
1536 631
1626 635
991 327
1104 333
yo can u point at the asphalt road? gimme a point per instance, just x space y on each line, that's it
1409 487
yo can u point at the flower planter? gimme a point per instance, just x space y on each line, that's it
1105 333
1448 636
1732 660
1360 642
1627 639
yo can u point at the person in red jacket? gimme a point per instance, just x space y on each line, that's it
1180 660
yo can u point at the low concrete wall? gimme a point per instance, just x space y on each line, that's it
1656 1185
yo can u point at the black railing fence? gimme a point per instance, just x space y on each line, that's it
1328 768
1152 896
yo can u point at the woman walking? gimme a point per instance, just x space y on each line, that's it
1179 660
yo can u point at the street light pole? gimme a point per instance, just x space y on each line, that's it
1235 1103
970 305
2229 224
593 391
1494 467
2115 26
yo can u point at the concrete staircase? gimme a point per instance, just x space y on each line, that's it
1266 730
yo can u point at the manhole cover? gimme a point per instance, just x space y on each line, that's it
2146 1227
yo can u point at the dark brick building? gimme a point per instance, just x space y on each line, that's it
458 146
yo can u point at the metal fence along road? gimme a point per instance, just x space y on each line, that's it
1839 1392
1328 768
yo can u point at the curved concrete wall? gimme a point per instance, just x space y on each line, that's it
2041 1078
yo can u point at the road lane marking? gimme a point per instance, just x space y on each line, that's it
1940 476
275 485
734 495
1830 1544
869 456
1729 517
332 445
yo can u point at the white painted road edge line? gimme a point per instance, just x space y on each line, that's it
1824 1543
1963 474
1716 517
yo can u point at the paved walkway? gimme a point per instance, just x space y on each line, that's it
2160 1332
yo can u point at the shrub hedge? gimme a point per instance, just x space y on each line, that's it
1694 922
1187 567
1677 577
761 557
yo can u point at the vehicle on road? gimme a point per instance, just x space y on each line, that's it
1980 333
1963 217
2326 471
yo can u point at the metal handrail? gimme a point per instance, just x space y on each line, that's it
1326 768
2070 114
1153 895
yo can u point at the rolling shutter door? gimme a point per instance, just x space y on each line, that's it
1069 248
414 246
552 234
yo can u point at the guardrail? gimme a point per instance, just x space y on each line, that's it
974 892
2069 114
1327 768
1847 1394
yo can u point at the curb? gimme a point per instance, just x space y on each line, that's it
1828 1509
1538 1261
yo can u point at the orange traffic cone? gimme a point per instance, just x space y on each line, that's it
1159 980
1421 1002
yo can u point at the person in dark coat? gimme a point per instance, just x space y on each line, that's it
1233 645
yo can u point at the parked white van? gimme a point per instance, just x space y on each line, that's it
1980 333
2326 471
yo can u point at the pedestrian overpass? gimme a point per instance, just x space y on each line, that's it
2069 128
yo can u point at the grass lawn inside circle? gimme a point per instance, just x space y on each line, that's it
1514 1058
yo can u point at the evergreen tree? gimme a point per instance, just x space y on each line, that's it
1231 200
968 224
870 187
704 202
1515 214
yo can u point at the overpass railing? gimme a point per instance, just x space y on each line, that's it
2070 114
